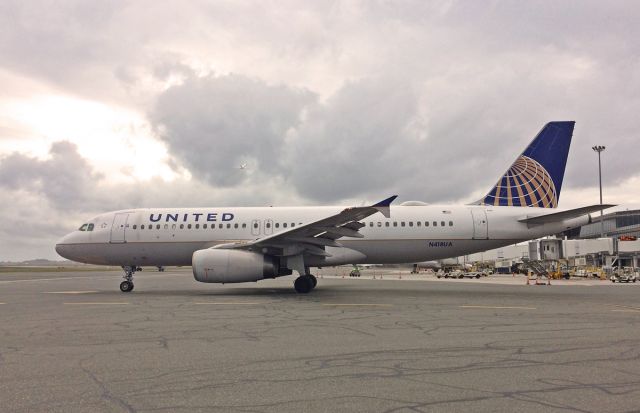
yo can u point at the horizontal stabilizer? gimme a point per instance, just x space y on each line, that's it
562 215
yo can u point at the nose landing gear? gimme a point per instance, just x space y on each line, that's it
127 285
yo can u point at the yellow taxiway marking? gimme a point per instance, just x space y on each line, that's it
497 308
230 303
359 305
40 279
69 292
96 303
625 308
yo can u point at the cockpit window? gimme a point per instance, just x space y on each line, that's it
83 227
90 227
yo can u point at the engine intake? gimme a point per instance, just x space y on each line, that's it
232 266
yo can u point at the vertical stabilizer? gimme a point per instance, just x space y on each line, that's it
535 178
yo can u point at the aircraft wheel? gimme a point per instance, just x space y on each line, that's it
126 286
303 284
478 276
314 280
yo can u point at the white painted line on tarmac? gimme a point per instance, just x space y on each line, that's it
498 308
69 292
358 305
628 310
97 303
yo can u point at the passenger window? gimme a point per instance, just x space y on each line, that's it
410 223
220 226
173 226
395 223
426 223
181 226
142 226
402 223
450 223
204 226
157 226
371 223
442 223
150 226
268 225
228 226
293 224
134 226
188 226
83 227
197 226
166 226
277 225
386 224
379 224
284 225
235 225
255 225
418 223
244 225
435 223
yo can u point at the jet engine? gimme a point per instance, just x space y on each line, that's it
233 266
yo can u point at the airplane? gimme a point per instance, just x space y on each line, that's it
248 244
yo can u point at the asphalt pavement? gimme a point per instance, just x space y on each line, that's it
72 342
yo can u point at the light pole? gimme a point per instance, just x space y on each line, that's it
599 149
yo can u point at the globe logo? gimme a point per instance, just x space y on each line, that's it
526 183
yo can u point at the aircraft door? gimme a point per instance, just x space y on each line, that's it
268 226
480 223
255 227
119 227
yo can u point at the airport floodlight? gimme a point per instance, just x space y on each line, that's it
599 149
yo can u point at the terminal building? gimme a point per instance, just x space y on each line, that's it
613 224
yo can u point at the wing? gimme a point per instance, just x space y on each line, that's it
311 238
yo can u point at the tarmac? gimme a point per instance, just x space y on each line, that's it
72 342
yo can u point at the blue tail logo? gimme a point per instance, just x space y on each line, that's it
535 178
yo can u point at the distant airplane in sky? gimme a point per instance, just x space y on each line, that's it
232 245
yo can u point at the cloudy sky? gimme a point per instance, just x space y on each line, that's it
121 104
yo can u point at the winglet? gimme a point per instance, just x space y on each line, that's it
383 206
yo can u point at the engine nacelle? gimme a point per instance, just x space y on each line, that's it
232 266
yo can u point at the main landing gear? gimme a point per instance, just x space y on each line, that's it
305 283
127 285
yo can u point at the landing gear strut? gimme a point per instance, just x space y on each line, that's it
305 283
127 285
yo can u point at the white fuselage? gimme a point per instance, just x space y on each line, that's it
161 237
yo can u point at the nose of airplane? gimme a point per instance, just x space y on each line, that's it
62 248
